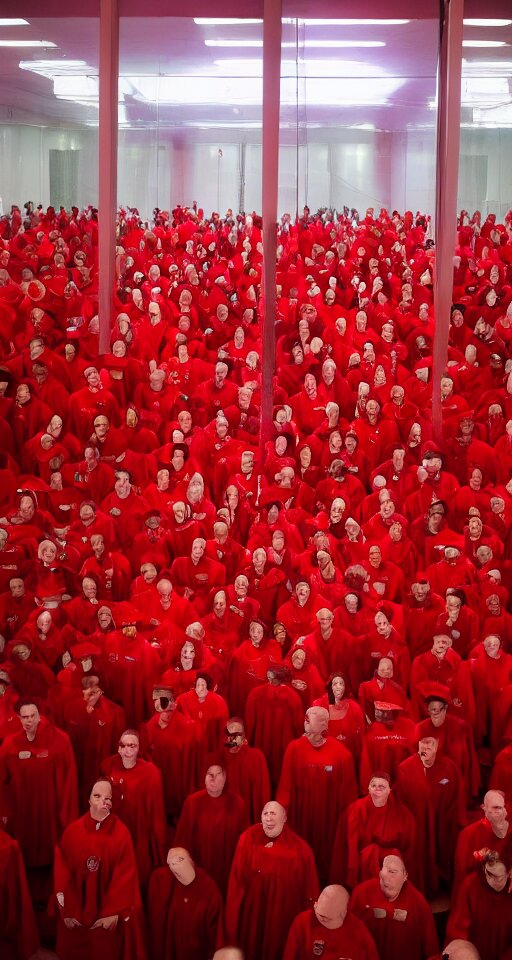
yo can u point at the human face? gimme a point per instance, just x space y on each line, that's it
48 552
298 659
420 591
188 653
392 877
379 791
201 689
440 645
197 549
427 750
374 556
44 622
492 646
89 588
338 688
29 716
27 509
382 624
331 910
100 801
219 603
496 875
128 749
453 605
215 781
185 421
17 588
104 617
494 808
256 633
273 819
302 592
436 710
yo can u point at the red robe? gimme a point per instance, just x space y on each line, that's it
403 927
274 715
435 797
247 775
309 938
456 741
316 784
138 800
270 882
477 836
19 938
209 829
185 922
94 736
96 876
209 715
501 776
384 748
174 750
38 790
483 916
366 834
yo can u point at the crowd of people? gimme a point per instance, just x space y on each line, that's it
256 698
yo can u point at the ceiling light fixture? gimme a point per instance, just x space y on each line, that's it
211 21
27 43
13 22
487 23
318 44
347 23
484 43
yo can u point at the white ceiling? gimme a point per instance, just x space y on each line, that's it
171 78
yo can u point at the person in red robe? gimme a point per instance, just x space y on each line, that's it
185 910
207 709
493 832
329 931
19 938
432 788
170 741
501 776
97 887
246 768
138 800
317 782
389 739
273 876
455 736
211 823
38 785
94 725
274 715
483 909
248 665
395 913
367 830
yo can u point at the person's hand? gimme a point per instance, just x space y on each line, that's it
71 922
108 923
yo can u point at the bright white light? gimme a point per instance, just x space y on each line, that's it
486 68
211 21
347 23
6 22
308 68
324 44
26 43
484 43
487 23
76 88
485 92
56 68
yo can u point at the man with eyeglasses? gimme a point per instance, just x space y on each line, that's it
138 801
96 886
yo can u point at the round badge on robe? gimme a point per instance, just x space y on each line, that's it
318 948
24 755
92 864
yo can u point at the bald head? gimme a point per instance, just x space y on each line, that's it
461 950
228 953
331 906
273 819
181 865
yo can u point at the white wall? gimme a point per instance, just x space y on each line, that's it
336 167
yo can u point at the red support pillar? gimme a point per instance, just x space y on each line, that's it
447 175
109 70
270 168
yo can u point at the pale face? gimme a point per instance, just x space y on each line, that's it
427 750
436 710
215 781
494 808
100 801
496 874
29 716
440 645
187 654
492 645
273 819
392 877
338 688
379 790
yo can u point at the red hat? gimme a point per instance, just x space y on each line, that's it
431 690
85 649
384 705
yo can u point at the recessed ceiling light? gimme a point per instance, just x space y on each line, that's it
348 23
212 21
487 23
484 43
26 43
6 22
307 43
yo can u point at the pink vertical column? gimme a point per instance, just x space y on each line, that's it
109 69
447 175
270 167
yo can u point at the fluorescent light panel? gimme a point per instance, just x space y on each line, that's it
13 22
26 43
320 44
484 43
487 23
